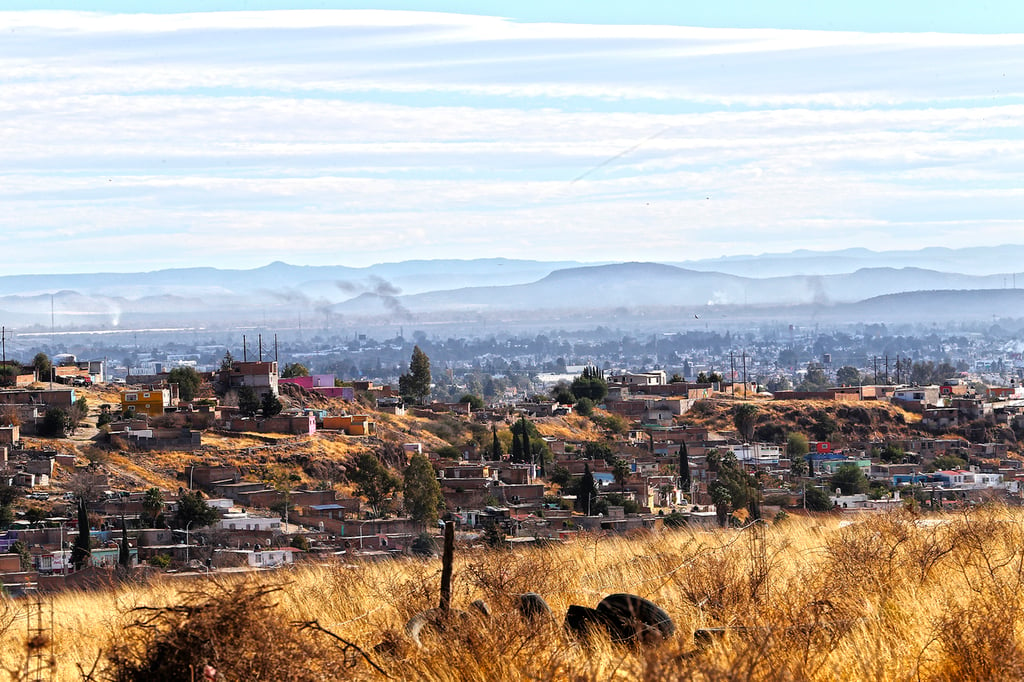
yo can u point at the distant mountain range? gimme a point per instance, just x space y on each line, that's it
801 284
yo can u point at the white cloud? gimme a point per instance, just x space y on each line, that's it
354 136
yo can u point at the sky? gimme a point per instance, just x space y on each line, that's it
233 134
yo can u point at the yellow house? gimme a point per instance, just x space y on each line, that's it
148 401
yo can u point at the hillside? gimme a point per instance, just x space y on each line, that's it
817 419
893 597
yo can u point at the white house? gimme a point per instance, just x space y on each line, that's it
265 558
757 453
242 521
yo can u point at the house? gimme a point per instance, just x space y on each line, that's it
925 396
148 400
63 398
352 424
757 453
255 558
324 384
655 378
243 521
261 377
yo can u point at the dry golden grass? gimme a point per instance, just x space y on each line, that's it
572 427
883 598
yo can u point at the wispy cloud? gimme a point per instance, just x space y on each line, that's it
236 138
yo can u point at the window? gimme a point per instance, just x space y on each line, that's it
131 398
145 395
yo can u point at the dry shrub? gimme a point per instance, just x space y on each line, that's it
226 625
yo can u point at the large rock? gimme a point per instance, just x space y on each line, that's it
635 620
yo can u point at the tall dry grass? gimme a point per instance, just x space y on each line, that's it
891 597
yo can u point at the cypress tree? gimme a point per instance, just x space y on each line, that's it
496 443
517 448
81 549
587 491
684 467
124 557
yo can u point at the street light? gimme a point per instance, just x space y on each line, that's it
187 525
361 524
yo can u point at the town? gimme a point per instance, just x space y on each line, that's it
244 465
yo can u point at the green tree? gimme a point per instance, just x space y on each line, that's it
598 449
421 491
947 463
373 482
798 466
152 505
891 453
797 448
6 516
227 362
475 401
416 383
733 488
294 369
55 423
721 497
796 445
817 500
496 449
590 384
35 517
188 381
848 375
248 401
621 472
745 417
850 478
270 406
193 512
562 393
82 548
42 365
814 380
523 431
9 494
124 555
586 491
585 407
8 373
684 467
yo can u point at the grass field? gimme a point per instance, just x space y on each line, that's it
893 597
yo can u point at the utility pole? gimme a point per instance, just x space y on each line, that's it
744 375
886 368
732 373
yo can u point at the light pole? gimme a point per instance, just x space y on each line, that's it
63 557
361 524
187 525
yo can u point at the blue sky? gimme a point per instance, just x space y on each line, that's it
593 131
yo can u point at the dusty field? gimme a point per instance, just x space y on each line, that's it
881 598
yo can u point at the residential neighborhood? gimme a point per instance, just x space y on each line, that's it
252 465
